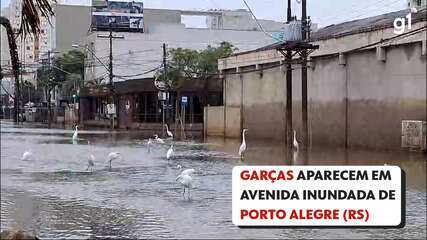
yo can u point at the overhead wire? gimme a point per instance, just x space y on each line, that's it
259 24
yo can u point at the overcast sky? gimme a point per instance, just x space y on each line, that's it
324 12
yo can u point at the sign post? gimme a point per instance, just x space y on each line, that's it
184 102
111 111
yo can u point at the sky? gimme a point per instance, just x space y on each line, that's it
323 12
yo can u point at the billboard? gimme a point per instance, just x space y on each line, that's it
123 15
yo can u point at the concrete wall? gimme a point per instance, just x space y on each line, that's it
72 24
154 17
214 117
362 102
382 94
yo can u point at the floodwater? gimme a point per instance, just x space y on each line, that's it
54 196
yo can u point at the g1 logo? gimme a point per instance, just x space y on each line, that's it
400 23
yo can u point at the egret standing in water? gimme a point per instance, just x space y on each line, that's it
186 180
91 159
242 148
91 163
169 153
75 134
169 133
295 142
113 156
27 155
157 139
149 145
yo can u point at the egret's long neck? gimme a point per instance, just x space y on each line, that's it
167 128
244 137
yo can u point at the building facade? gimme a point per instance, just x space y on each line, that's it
362 82
137 56
419 4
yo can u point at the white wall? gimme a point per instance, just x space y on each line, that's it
139 52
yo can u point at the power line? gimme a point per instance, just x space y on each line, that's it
138 74
259 25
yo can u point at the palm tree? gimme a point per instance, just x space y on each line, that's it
32 11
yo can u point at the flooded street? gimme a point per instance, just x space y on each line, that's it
53 194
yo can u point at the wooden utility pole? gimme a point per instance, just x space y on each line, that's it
110 73
165 101
288 60
48 90
304 87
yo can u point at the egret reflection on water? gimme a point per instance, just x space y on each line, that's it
149 143
75 134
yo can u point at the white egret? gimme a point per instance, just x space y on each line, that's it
186 180
149 145
157 139
178 166
295 142
242 148
27 155
169 133
169 153
75 134
188 171
113 156
91 163
91 159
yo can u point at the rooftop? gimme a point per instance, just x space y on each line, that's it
354 27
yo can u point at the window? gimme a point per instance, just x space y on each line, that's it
28 48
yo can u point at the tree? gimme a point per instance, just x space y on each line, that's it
30 23
69 69
64 72
188 64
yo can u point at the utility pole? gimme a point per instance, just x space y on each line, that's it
167 93
110 66
110 71
48 89
305 30
288 60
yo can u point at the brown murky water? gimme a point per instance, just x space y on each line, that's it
54 196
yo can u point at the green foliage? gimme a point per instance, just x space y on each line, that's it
187 64
66 69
